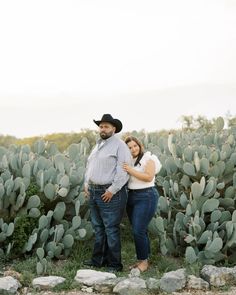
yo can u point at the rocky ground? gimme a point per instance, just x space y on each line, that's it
214 291
231 291
63 293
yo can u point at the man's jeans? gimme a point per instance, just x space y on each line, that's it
141 206
106 218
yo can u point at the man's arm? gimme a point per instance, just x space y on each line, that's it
121 176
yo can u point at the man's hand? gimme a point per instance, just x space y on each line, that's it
106 197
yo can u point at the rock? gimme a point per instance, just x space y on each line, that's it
130 286
197 283
153 284
173 281
9 285
108 285
91 277
87 289
47 282
218 276
135 272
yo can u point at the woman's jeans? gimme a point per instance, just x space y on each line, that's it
106 218
141 206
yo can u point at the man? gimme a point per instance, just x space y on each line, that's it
105 185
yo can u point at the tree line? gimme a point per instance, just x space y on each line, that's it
63 140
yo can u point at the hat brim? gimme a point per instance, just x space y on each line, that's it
115 122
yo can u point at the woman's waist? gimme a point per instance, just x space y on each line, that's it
140 184
141 189
135 183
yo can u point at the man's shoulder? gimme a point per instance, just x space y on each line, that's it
119 143
117 139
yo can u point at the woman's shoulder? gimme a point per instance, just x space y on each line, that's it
148 155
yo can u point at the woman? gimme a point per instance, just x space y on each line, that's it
142 198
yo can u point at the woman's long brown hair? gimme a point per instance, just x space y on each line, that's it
141 149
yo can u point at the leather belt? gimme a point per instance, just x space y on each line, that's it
94 185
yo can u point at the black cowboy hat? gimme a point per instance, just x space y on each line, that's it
109 119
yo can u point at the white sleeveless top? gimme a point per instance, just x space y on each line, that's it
135 183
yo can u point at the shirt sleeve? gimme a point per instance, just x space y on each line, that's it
157 163
86 177
121 176
87 172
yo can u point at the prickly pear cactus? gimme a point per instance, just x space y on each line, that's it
196 213
41 194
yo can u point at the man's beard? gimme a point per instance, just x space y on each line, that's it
106 135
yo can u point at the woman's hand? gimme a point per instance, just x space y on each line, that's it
127 168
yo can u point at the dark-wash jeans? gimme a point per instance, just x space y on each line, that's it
141 206
106 218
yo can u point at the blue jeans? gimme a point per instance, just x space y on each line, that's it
141 206
106 218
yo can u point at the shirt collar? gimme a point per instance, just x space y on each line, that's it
100 140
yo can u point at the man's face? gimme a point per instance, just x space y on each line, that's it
106 130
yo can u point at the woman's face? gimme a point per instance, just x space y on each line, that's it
134 148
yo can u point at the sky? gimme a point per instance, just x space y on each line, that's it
64 63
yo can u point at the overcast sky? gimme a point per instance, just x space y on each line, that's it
65 63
